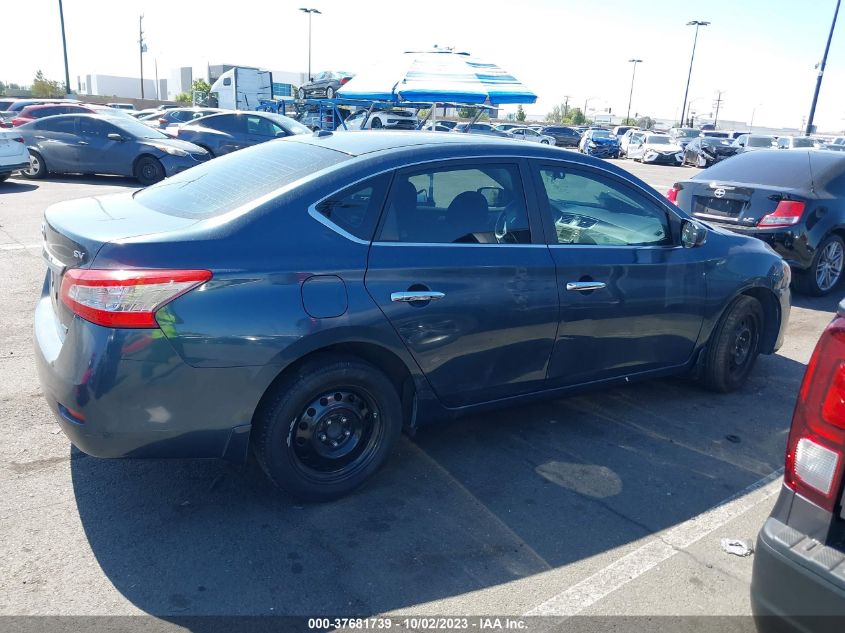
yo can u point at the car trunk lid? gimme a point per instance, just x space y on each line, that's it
741 204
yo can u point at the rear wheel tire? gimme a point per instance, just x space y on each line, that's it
37 167
544 142
301 93
328 428
148 170
376 124
734 346
825 272
329 93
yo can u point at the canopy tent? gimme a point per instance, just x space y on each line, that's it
440 76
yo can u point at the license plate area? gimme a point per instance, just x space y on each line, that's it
720 207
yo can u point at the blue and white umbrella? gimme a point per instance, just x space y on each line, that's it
437 77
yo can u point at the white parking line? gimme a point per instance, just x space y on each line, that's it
18 247
662 547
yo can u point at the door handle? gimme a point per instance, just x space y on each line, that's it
585 285
41 137
419 295
82 143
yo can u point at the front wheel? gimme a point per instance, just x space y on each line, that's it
328 428
301 93
734 346
376 123
826 269
329 93
148 170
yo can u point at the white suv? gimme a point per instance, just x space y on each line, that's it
13 153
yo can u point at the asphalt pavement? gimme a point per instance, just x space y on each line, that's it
602 504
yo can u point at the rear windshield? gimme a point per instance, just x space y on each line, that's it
776 168
760 141
658 140
803 142
224 184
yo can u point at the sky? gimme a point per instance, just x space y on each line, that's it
760 53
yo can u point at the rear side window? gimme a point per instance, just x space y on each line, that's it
356 210
66 125
228 123
228 182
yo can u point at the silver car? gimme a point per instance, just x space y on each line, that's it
529 134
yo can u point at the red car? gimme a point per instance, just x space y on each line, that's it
30 113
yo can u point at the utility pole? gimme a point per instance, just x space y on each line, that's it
696 23
810 127
157 95
64 48
717 104
565 106
631 94
142 47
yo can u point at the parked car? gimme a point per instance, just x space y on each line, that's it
705 151
683 135
13 154
620 130
793 201
177 116
391 119
599 142
446 123
128 107
657 149
632 135
140 114
325 314
227 132
754 142
564 135
325 84
478 128
506 127
736 134
715 134
41 110
19 104
527 134
797 142
798 578
97 144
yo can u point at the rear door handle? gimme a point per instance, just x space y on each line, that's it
82 143
585 285
420 295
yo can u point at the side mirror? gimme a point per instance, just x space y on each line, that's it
281 134
115 137
692 234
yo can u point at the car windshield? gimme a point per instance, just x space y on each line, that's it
601 134
135 128
759 141
803 141
716 142
224 184
658 140
294 127
686 132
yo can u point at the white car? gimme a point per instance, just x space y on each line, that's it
391 119
626 139
529 134
13 153
656 148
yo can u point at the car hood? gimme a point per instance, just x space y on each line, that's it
185 146
662 147
600 140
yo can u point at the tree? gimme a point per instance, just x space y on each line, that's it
2 88
43 87
520 114
645 122
184 97
201 85
576 117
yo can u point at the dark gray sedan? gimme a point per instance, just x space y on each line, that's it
223 133
94 144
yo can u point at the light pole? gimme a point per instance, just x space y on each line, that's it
64 47
587 101
696 24
310 12
142 47
810 126
753 112
631 94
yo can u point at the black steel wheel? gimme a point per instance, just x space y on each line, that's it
324 431
148 170
734 346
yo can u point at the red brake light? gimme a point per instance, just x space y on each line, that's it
162 121
19 121
672 194
126 298
814 451
343 80
787 213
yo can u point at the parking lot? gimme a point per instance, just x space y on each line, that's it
607 503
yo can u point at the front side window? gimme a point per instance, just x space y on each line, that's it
227 123
482 204
590 209
259 126
356 209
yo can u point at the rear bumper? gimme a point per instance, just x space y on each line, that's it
13 167
127 393
789 244
788 594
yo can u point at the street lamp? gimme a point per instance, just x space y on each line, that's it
587 101
823 63
142 47
753 112
310 12
696 24
64 47
631 94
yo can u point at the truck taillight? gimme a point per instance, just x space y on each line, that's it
814 452
126 298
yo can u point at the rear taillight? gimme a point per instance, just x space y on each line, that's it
787 213
672 194
126 298
814 452
19 121
344 80
162 121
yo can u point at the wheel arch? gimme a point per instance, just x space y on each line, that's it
771 315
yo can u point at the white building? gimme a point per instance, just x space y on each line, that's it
181 80
114 86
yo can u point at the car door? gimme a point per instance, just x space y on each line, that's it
260 129
631 297
231 135
57 140
459 270
98 154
